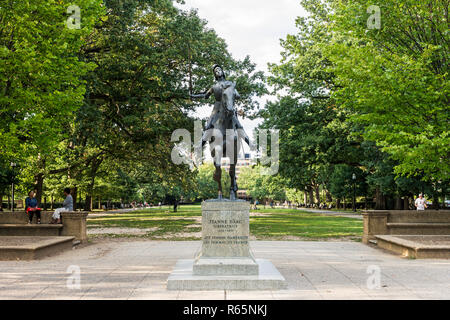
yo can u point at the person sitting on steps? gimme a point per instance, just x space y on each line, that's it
31 207
67 206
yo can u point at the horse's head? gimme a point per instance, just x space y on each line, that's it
228 96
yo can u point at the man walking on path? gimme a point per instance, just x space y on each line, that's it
420 203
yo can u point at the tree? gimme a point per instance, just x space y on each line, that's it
260 186
334 84
314 136
40 77
294 195
395 80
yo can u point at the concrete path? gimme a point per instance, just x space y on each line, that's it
133 269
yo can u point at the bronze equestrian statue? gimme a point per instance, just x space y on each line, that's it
223 118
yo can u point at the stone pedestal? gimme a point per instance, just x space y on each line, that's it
375 223
225 260
74 224
225 236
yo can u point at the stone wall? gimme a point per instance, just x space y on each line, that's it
405 222
74 223
21 217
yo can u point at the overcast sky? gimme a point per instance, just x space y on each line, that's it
249 27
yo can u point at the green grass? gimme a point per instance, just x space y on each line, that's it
167 222
304 225
273 224
281 210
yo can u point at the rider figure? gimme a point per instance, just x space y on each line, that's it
217 89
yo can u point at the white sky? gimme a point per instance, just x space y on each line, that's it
249 27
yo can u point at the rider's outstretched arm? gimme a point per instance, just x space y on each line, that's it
237 96
204 95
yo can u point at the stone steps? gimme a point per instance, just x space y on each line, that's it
418 228
40 230
416 246
33 247
268 278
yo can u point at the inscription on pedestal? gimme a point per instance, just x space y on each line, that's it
225 229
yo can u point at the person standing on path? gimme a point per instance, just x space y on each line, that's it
420 203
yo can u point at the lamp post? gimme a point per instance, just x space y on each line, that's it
13 166
354 192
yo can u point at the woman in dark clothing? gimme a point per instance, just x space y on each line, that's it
31 206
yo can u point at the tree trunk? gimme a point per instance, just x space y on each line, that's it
53 203
88 203
443 197
311 195
90 189
39 182
74 192
380 201
338 203
316 188
328 196
435 205
398 203
406 203
1 202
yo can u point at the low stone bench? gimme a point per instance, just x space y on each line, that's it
36 230
418 228
417 246
16 224
405 222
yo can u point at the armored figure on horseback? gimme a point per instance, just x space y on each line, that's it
223 121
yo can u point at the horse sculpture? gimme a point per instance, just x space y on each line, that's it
223 130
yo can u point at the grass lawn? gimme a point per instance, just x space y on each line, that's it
265 224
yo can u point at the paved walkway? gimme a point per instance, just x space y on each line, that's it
113 269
